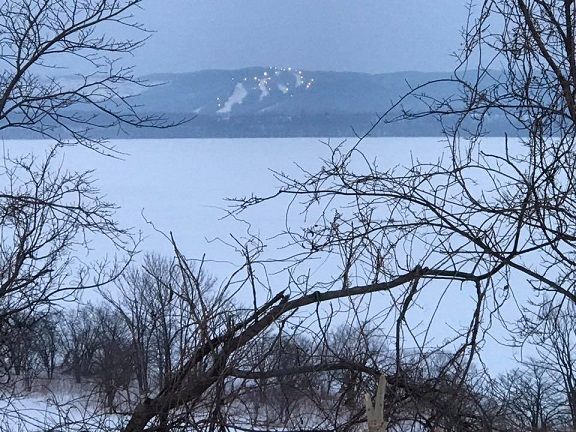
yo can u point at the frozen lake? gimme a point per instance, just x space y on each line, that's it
181 185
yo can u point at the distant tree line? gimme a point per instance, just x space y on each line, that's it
129 344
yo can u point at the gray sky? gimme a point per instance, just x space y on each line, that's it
344 35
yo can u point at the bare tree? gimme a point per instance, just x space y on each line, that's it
18 346
79 330
47 342
45 217
113 368
234 349
480 224
62 77
38 37
492 220
550 332
488 219
220 333
157 307
531 400
48 214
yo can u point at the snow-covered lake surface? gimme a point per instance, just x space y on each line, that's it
180 186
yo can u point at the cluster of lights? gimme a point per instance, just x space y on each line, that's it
263 82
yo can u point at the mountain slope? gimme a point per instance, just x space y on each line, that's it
287 91
280 102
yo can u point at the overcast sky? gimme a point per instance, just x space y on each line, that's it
343 35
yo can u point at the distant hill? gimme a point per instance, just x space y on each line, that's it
261 91
280 102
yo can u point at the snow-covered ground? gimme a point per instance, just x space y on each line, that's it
237 97
58 411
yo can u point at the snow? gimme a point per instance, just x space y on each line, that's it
284 89
263 86
62 411
180 186
299 79
237 97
